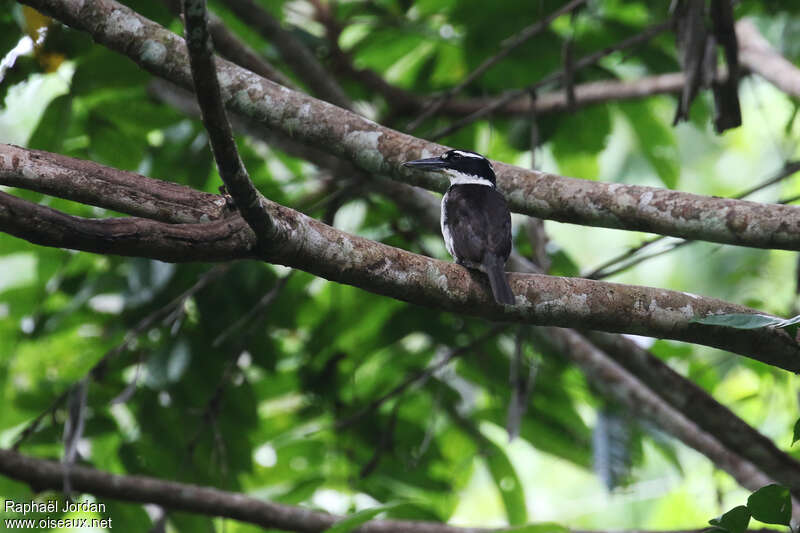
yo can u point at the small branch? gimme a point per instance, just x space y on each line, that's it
293 52
404 101
580 64
231 168
509 45
420 377
756 54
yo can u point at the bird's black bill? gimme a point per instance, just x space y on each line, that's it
432 163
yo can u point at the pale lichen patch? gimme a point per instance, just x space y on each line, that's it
435 276
124 23
152 52
364 145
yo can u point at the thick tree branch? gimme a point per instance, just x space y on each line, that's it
756 54
381 150
309 245
94 184
230 165
137 237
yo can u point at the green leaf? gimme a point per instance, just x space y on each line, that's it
771 504
656 140
509 485
734 521
49 133
360 518
740 320
796 434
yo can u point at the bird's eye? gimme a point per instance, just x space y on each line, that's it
455 156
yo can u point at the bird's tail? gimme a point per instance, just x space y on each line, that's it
495 270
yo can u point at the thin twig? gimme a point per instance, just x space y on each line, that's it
580 64
420 376
97 372
508 46
600 272
215 120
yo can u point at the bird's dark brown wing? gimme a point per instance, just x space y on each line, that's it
478 215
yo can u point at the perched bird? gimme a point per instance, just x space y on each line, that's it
476 223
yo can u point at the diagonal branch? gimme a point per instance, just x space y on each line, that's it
756 54
380 150
215 120
642 399
302 242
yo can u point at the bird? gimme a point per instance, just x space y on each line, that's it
475 220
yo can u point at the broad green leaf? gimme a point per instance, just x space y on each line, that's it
740 320
49 134
362 517
509 485
771 504
734 521
656 141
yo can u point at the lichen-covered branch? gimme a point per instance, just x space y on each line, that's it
302 242
380 150
95 184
